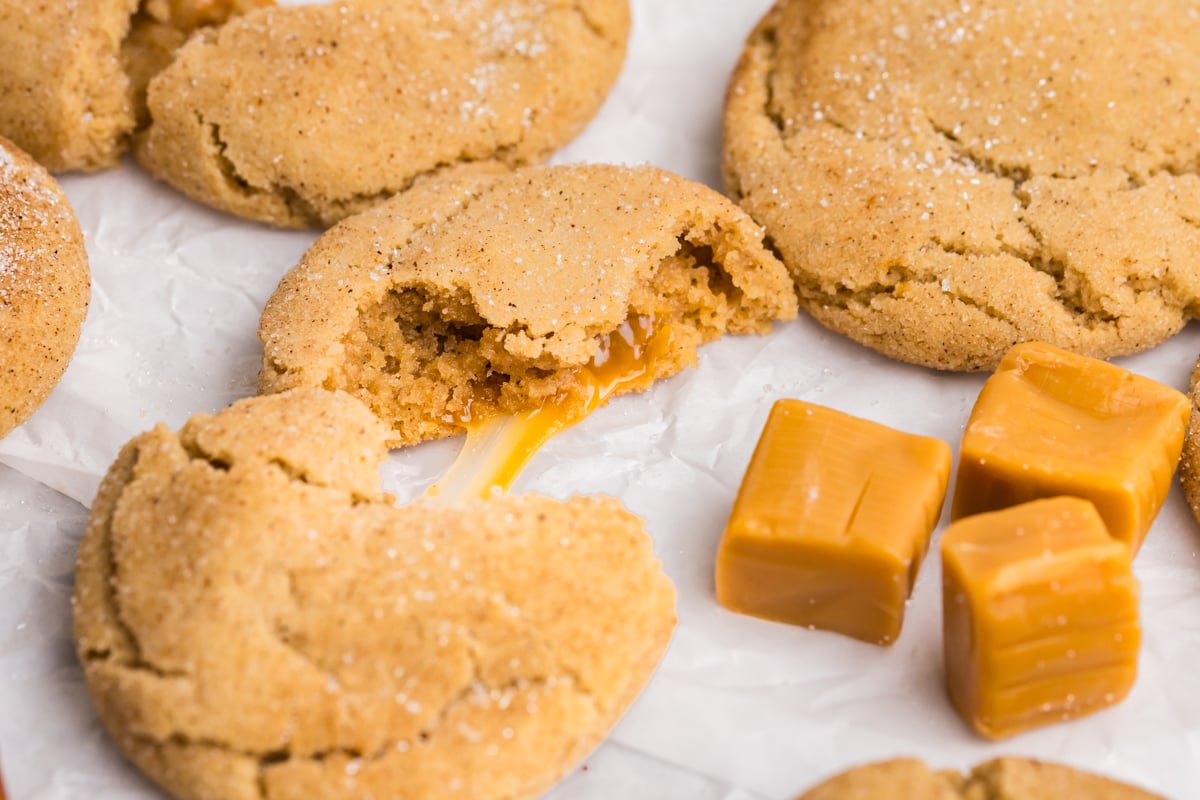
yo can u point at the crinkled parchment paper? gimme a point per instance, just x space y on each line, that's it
739 708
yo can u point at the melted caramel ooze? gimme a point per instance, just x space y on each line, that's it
497 449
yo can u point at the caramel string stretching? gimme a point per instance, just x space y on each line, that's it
498 449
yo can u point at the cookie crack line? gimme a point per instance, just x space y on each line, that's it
138 661
475 686
578 7
1006 249
296 205
984 166
292 472
303 211
1088 316
863 297
285 638
266 760
574 675
770 109
1019 175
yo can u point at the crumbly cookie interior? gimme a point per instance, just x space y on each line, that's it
421 348
484 292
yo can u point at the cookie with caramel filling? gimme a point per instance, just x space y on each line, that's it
482 292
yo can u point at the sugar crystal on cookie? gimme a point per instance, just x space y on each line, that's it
945 180
44 285
484 313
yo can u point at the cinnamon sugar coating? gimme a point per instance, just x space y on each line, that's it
483 292
256 620
946 180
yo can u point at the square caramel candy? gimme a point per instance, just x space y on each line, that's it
831 522
1050 423
1040 616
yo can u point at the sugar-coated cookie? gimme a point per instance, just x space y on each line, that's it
998 779
945 180
159 29
73 75
255 620
303 115
1189 461
44 285
484 292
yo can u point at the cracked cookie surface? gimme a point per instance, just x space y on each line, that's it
44 285
300 116
73 75
483 292
255 620
944 181
999 779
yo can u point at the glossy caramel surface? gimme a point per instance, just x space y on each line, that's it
1040 616
498 448
1050 423
831 522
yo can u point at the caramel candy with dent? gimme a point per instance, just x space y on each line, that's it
831 522
1050 423
1040 616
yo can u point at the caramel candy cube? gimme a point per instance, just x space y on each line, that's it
1050 423
1040 616
831 522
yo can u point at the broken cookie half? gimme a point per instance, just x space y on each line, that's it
255 619
483 293
73 76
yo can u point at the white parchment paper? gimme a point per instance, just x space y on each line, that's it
740 709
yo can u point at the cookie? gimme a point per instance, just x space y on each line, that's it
901 779
159 29
73 75
946 180
1189 461
44 285
998 779
256 620
300 116
483 292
